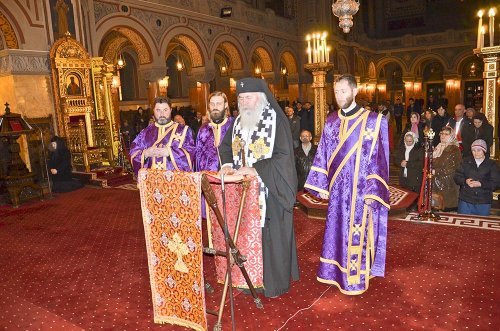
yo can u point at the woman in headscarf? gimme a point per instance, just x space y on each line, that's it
410 160
60 167
413 126
478 177
482 130
446 159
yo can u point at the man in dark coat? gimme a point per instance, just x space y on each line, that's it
304 156
259 143
398 115
306 115
463 128
294 121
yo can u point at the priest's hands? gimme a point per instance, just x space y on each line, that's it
156 152
246 171
243 171
226 170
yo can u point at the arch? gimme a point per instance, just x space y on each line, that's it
372 71
422 59
232 48
190 40
137 33
9 38
120 37
471 67
343 65
261 50
386 60
464 59
361 66
290 61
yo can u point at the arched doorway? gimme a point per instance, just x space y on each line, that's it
472 76
434 85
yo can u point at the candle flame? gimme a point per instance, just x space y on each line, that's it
480 13
308 37
492 12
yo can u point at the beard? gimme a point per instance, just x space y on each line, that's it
347 102
250 116
162 120
217 115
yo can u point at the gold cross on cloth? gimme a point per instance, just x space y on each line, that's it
369 134
177 246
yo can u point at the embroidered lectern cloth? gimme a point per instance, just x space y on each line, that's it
171 214
250 233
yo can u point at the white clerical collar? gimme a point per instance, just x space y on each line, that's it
350 108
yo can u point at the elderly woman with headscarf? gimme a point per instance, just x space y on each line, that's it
60 167
478 177
446 159
410 160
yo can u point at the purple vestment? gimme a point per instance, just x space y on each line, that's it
352 165
177 138
209 138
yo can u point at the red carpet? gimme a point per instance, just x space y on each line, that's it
78 261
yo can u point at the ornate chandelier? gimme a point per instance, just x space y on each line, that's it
344 10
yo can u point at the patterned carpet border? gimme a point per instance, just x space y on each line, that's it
467 221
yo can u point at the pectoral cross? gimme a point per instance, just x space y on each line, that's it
177 246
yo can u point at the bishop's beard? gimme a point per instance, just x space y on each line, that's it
250 116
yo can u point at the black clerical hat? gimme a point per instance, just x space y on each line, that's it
251 84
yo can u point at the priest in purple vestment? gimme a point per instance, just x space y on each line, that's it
163 144
351 170
211 134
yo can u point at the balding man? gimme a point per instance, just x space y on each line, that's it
462 127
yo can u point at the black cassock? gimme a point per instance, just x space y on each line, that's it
278 236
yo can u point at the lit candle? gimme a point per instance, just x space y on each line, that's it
483 31
308 38
315 56
309 55
328 54
325 59
492 13
317 47
479 26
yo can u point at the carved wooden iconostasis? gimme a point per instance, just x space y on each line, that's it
82 104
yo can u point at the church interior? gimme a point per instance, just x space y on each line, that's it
86 70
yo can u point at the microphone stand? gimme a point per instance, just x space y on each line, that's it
229 255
